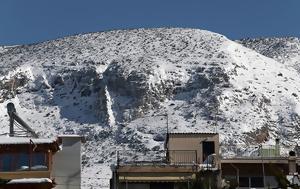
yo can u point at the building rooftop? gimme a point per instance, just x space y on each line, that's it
24 140
70 136
194 133
30 180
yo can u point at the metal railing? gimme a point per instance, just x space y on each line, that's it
189 157
251 151
125 157
182 156
170 157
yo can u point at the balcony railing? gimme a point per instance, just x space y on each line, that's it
251 151
182 156
171 157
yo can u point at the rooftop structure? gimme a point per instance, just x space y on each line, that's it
195 158
40 163
27 161
186 155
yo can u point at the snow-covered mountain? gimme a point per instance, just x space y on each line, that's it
285 50
117 87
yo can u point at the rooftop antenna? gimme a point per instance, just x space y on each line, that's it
167 138
11 110
167 117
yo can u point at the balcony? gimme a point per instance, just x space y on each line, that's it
251 152
165 161
163 157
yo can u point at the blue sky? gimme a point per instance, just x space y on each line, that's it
31 21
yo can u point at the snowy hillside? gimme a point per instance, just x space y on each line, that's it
284 50
114 87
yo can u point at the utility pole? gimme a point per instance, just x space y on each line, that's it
167 135
167 117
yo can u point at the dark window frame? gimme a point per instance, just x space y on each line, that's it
257 182
206 147
244 182
14 159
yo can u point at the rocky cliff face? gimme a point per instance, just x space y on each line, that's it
117 88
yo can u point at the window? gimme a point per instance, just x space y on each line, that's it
257 182
161 185
39 161
14 162
244 181
23 162
208 149
6 162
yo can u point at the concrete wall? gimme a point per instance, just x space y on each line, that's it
192 141
67 163
292 165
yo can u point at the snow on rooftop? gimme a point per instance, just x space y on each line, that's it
24 140
71 136
192 133
30 180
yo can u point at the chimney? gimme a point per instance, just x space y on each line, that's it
277 147
11 110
